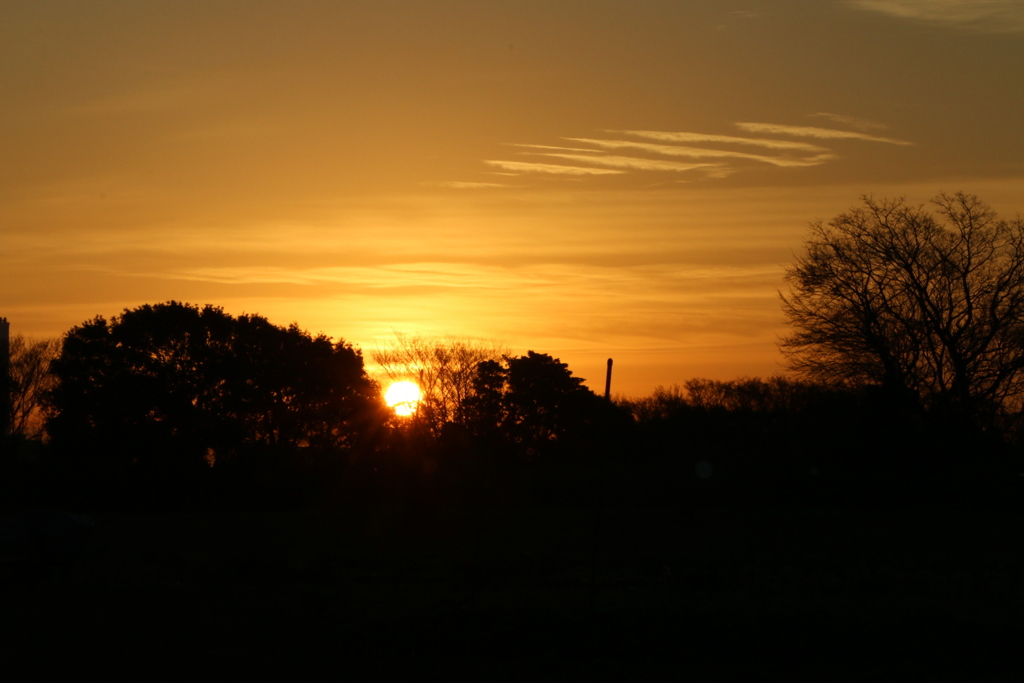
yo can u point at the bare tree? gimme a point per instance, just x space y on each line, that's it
30 380
442 367
893 295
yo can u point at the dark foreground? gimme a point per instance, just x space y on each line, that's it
832 596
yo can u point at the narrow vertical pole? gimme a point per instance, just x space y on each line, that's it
608 382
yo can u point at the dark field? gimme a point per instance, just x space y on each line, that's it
832 595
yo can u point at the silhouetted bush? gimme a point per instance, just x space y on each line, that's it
784 444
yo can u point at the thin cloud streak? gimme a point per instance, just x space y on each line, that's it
852 121
554 147
665 136
468 185
395 276
658 282
812 132
702 153
635 163
551 169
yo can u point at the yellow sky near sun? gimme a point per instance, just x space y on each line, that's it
586 179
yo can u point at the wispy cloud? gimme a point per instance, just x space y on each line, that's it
851 121
460 185
394 276
553 147
812 132
659 281
666 136
550 169
714 155
636 163
993 16
704 153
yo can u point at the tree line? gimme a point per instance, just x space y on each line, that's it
907 354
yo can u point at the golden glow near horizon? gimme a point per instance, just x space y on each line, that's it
589 180
403 398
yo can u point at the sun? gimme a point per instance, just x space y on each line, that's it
403 398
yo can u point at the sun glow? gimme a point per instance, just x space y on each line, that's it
403 398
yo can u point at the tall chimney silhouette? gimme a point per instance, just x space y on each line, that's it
5 378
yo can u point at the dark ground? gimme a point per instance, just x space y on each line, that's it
830 596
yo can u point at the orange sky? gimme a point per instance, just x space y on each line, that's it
586 179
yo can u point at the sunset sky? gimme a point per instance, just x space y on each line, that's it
588 179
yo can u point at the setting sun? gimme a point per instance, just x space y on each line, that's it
403 398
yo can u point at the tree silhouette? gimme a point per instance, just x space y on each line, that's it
30 380
532 402
930 308
173 385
